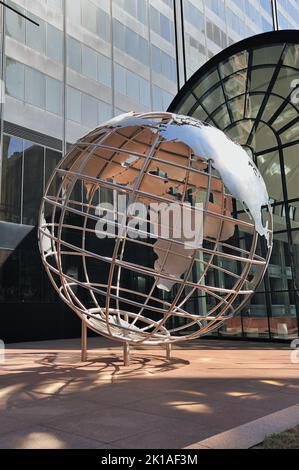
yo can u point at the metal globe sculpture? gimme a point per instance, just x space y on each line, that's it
132 274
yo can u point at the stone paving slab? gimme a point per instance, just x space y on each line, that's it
252 433
50 399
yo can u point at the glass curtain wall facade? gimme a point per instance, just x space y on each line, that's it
249 91
87 61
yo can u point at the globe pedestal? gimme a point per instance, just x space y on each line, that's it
126 347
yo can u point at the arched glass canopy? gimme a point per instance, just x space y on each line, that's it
251 91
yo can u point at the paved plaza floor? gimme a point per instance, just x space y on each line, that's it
50 399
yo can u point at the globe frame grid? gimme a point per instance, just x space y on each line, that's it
113 321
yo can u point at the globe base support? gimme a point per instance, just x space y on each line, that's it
83 342
126 347
168 352
126 354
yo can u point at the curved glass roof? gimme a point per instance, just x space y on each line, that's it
249 91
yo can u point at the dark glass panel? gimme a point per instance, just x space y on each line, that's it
206 83
221 117
283 321
290 134
291 57
267 55
255 317
213 99
282 86
234 63
273 103
294 217
291 168
188 103
237 107
253 105
235 85
51 160
32 181
11 179
30 276
9 278
240 131
260 78
232 327
200 114
287 115
264 138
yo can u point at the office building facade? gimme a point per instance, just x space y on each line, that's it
87 61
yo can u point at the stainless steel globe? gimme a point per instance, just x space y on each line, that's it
114 265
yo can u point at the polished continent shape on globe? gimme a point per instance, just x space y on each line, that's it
155 228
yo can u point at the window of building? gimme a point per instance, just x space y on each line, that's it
89 111
120 79
284 23
165 27
216 35
15 79
217 6
136 8
94 65
104 70
194 43
35 87
161 98
157 98
89 16
89 62
55 4
74 11
142 11
30 85
143 50
54 43
130 42
161 25
266 25
155 20
105 111
103 24
15 24
74 104
266 5
156 59
194 16
163 63
44 38
53 96
74 54
132 86
144 92
130 7
35 35
167 66
119 34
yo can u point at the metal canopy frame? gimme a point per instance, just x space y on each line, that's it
284 129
